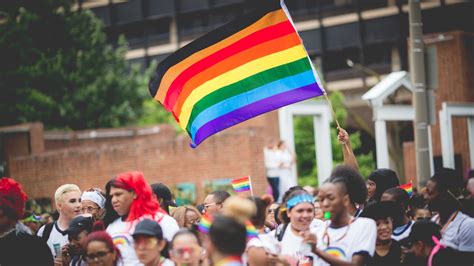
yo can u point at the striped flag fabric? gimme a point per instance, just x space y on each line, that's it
408 187
241 184
250 66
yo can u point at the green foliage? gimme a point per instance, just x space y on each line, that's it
57 68
305 149
153 112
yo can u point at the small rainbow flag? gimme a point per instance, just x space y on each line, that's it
250 66
241 184
408 187
251 230
205 223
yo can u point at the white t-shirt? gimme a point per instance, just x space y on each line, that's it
121 233
272 162
316 223
357 238
167 262
402 232
293 245
57 238
459 234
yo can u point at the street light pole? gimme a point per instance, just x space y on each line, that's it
420 96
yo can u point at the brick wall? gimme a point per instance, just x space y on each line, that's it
54 140
233 153
455 62
455 84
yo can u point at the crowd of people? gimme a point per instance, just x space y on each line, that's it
345 221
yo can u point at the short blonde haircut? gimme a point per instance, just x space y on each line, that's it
239 208
58 195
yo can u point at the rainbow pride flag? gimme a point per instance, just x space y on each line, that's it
250 66
241 184
408 188
251 230
205 223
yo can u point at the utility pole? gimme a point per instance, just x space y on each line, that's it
420 96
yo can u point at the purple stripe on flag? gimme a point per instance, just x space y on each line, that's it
254 109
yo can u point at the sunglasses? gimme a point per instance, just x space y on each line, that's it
96 256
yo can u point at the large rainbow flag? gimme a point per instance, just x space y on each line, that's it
250 66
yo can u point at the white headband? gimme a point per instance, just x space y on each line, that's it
95 197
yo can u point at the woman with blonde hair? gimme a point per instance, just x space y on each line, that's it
186 216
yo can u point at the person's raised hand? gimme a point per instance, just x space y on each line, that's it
342 136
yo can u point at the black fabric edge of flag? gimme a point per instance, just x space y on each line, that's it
209 39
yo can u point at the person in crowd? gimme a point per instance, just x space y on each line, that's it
163 194
32 221
379 181
401 197
68 203
357 197
271 220
423 243
14 243
99 249
344 239
387 250
272 165
470 187
226 241
149 242
130 199
187 216
281 214
417 210
468 202
287 160
214 201
300 215
93 203
457 228
257 248
186 248
78 230
318 213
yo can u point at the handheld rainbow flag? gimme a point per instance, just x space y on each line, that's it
251 230
408 187
241 184
205 223
250 66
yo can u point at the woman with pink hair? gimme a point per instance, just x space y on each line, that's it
130 199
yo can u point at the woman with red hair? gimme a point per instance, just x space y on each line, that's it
129 200
99 249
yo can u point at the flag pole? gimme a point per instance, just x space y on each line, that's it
251 189
335 118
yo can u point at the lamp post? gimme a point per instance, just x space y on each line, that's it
420 96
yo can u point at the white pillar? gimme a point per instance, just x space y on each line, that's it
470 134
381 144
322 141
446 132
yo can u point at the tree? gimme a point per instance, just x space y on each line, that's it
56 67
304 143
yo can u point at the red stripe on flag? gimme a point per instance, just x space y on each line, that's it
249 41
